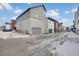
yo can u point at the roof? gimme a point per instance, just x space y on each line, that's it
52 19
29 9
13 20
7 23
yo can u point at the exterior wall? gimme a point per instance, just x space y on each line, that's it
23 17
46 26
35 23
56 27
24 26
38 19
7 27
51 25
13 24
61 29
76 22
38 13
3 27
34 18
23 23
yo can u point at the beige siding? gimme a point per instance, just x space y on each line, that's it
38 13
38 19
26 15
34 18
18 26
46 26
24 26
23 23
23 17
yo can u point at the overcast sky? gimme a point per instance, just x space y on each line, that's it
61 12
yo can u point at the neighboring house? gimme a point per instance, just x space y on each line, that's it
3 28
56 26
32 21
13 24
53 25
7 27
76 21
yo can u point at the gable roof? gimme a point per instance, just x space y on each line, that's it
7 23
52 19
29 9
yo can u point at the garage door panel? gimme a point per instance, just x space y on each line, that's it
36 30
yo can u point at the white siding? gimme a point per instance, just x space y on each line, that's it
38 13
8 26
51 25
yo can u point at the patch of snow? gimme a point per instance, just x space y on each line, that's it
68 49
6 35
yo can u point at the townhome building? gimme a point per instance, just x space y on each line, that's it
53 25
32 21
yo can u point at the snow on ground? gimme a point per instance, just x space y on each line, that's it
66 44
72 35
70 47
6 35
39 47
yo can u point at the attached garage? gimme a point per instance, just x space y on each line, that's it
32 21
36 30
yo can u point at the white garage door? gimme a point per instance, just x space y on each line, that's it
36 30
